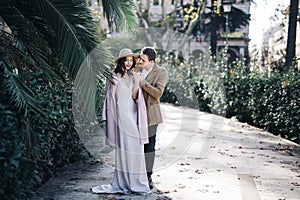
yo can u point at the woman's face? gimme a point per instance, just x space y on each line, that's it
128 62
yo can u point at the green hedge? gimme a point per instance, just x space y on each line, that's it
271 102
18 168
275 104
35 146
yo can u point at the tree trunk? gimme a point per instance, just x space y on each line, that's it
213 37
291 40
146 13
170 26
193 23
163 11
213 33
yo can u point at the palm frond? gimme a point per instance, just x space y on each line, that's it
43 29
20 93
27 40
72 52
87 81
19 65
122 13
111 10
238 18
129 14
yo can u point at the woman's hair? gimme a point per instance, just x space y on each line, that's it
121 66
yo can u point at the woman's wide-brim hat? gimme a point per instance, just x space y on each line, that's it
126 52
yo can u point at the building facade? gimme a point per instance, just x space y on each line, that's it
158 9
274 44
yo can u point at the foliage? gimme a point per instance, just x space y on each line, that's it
277 109
43 44
185 14
178 88
269 102
43 31
17 170
121 13
33 149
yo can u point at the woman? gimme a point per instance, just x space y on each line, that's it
126 128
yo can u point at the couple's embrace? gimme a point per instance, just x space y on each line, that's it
132 113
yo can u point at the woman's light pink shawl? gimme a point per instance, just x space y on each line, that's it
109 114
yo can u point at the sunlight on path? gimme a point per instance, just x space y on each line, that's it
199 156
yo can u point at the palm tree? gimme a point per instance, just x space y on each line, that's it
40 31
42 46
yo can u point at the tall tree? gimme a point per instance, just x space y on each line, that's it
163 9
210 21
42 46
292 29
213 28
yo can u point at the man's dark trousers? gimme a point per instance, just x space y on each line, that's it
149 149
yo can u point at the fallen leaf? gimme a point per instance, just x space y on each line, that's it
295 184
203 190
184 164
164 198
286 153
199 171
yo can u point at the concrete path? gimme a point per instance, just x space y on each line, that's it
199 156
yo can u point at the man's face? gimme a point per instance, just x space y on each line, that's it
144 61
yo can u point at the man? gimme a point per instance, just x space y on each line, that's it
153 82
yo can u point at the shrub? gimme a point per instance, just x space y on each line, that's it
34 146
269 102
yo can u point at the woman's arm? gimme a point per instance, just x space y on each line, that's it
135 90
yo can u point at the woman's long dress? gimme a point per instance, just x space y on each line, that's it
130 171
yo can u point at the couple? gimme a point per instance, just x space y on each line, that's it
132 113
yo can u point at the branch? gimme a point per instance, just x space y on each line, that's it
193 23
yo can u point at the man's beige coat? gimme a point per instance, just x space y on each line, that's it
153 88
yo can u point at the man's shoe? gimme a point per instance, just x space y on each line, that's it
150 182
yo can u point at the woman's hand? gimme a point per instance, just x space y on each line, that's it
136 77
